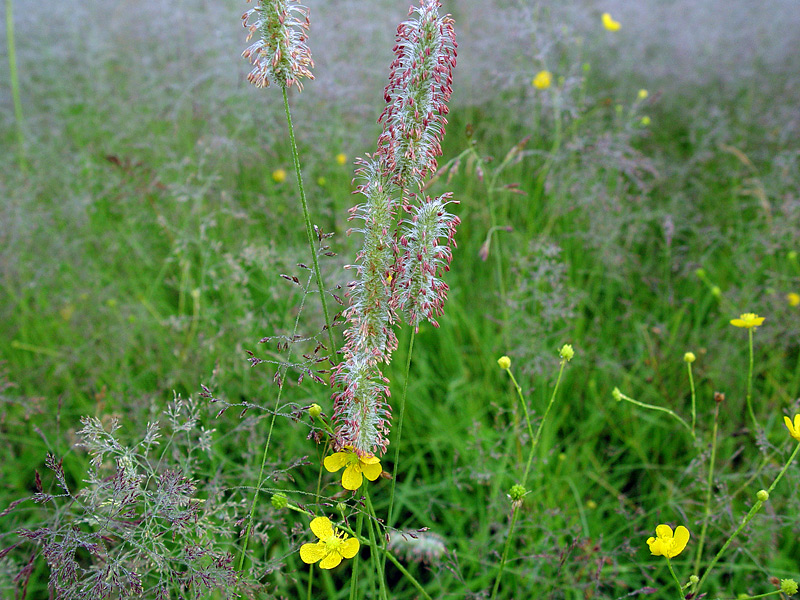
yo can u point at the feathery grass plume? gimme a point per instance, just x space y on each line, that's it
280 54
371 312
419 88
413 126
420 290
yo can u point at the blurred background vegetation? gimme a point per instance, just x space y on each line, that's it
141 252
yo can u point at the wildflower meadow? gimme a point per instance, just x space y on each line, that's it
399 300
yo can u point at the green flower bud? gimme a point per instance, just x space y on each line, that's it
315 410
279 501
762 495
517 492
788 586
504 362
566 352
341 507
694 579
716 292
689 357
616 394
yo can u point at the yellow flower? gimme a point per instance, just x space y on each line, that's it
645 121
341 158
542 80
279 176
354 466
332 546
793 298
794 428
665 544
642 94
747 320
610 23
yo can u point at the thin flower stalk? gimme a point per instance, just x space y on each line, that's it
620 396
761 497
709 489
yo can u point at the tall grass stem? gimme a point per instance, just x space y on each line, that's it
399 430
309 229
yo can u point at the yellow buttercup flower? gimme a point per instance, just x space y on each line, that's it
332 546
610 23
279 175
667 544
354 467
542 80
341 158
793 298
747 320
794 428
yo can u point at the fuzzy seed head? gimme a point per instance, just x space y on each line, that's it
420 85
426 241
279 55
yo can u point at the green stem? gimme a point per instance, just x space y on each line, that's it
620 396
755 508
399 432
356 559
709 487
675 578
534 443
750 382
542 422
506 547
694 399
13 75
309 229
373 522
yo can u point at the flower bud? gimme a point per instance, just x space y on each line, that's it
566 352
315 410
517 492
504 362
279 501
762 495
689 357
616 394
788 586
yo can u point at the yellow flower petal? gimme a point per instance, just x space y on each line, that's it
311 553
679 541
352 479
335 461
748 320
609 23
654 545
372 471
322 528
332 560
663 531
349 547
794 428
370 459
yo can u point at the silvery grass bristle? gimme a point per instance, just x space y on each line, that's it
280 54
399 266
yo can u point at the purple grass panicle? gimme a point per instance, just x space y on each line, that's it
419 87
280 54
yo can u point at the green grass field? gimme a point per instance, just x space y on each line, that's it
144 234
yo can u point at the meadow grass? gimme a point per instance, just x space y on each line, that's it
142 259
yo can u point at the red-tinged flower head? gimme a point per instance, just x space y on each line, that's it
419 89
280 54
